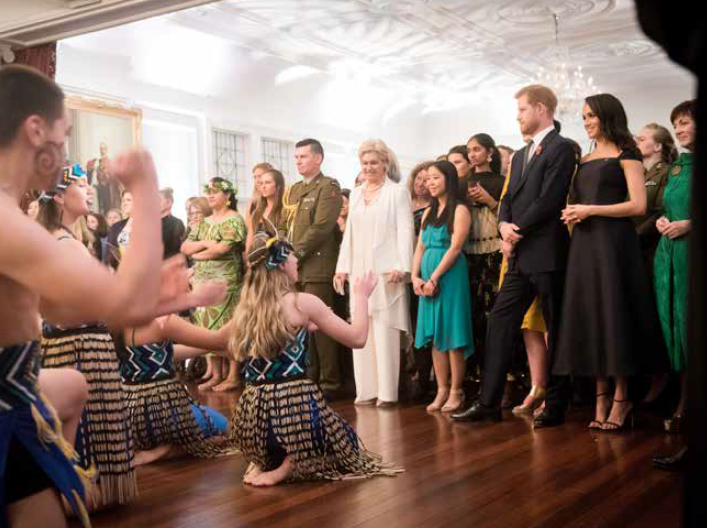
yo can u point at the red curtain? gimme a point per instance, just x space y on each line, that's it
42 57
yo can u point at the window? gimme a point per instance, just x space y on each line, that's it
229 158
280 154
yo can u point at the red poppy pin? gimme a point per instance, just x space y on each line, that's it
539 150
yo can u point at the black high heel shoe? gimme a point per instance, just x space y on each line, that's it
596 424
617 428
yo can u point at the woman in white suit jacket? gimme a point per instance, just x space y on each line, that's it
379 237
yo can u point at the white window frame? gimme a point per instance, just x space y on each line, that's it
225 143
280 153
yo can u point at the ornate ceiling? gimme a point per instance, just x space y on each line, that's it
427 45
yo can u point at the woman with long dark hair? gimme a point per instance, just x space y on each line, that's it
103 440
217 250
439 278
482 249
608 316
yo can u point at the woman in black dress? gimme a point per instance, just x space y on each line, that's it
608 316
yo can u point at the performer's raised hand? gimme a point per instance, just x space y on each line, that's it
133 167
366 284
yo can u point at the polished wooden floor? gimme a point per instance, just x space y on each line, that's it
493 475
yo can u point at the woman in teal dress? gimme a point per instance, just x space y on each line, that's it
671 280
217 249
439 278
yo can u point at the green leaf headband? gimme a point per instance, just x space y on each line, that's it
225 186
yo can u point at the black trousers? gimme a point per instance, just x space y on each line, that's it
514 298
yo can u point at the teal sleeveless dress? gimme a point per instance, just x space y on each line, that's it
444 320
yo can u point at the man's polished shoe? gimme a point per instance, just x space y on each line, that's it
478 413
676 462
549 418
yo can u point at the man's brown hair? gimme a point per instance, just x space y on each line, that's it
537 93
25 92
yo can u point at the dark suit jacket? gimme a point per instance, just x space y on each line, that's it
534 202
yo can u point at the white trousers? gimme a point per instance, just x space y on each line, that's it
377 365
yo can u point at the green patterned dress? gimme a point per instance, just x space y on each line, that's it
227 268
671 265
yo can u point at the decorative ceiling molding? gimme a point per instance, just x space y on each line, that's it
526 12
474 44
41 21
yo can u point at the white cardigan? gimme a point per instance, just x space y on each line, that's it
394 236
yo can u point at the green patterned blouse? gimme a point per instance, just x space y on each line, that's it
227 268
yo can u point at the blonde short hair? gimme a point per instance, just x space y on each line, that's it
539 94
387 156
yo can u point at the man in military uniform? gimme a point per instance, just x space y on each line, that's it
316 201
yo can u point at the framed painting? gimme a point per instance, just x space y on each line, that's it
101 131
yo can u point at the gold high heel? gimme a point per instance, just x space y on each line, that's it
674 423
538 397
440 399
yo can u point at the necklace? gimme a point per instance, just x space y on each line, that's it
372 189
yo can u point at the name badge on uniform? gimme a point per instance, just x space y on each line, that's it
308 199
651 184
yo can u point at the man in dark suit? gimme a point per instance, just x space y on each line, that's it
536 243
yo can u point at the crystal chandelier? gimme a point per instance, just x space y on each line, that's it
566 80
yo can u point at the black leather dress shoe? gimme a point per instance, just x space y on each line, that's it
478 413
549 418
676 462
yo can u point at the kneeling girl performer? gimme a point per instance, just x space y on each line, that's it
282 423
162 415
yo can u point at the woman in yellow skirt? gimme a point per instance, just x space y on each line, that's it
534 330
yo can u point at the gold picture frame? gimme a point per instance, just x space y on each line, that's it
96 122
101 130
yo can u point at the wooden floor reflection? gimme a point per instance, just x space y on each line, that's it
501 475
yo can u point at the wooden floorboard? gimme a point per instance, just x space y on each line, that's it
503 475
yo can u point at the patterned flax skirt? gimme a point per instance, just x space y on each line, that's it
104 439
163 412
32 448
290 418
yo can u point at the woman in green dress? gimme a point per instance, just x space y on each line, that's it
439 278
671 281
217 250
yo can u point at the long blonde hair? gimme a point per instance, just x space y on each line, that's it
260 327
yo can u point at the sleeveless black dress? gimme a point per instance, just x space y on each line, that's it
608 325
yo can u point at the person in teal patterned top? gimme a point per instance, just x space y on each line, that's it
217 248
439 278
671 265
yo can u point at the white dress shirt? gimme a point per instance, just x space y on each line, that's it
538 139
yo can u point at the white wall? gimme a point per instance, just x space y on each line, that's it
177 125
186 87
497 117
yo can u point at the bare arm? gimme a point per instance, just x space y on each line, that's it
68 278
189 247
353 335
419 251
634 206
180 331
182 352
462 222
216 250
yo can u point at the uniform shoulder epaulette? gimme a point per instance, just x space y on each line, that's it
334 182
